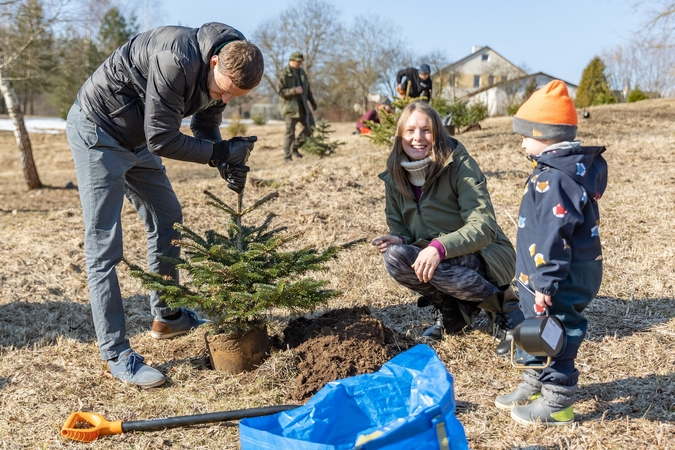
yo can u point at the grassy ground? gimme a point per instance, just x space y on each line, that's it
49 363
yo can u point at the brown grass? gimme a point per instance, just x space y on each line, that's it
49 363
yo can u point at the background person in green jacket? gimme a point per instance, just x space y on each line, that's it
294 97
444 242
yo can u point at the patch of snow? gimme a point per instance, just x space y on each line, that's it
55 125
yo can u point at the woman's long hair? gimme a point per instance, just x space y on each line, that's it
440 151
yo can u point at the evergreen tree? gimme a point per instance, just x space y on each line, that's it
236 275
594 88
31 71
319 142
636 95
383 133
461 112
114 31
72 69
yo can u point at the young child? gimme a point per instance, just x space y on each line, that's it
559 255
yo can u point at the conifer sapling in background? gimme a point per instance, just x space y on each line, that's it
319 142
235 275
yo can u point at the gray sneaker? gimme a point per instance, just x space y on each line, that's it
165 329
130 368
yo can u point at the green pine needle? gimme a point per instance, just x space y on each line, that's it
235 288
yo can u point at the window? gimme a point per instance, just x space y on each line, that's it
491 80
476 81
484 57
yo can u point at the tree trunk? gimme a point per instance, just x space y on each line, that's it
20 133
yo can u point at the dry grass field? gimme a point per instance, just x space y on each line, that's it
49 362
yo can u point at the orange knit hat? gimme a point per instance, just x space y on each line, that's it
549 114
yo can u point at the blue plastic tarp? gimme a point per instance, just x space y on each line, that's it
408 404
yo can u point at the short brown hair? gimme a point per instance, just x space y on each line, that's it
243 62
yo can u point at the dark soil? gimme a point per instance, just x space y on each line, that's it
339 344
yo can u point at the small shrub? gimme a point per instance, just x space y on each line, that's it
319 142
636 95
259 119
511 110
236 127
462 115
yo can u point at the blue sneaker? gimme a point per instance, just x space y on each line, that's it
130 368
165 329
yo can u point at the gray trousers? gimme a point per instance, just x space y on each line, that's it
463 277
291 144
106 173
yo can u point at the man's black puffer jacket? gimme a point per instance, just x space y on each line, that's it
142 92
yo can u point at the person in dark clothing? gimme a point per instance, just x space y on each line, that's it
559 252
372 116
295 95
414 83
127 116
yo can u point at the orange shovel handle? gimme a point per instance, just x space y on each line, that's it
96 425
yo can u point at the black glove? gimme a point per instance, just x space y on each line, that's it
234 175
233 152
313 106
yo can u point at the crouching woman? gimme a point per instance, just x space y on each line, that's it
444 241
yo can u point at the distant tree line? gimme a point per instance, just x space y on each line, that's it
48 52
60 47
56 50
640 68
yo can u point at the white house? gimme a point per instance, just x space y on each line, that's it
509 93
483 67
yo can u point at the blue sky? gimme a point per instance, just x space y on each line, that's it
556 37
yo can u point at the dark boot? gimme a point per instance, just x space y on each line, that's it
449 318
509 319
504 315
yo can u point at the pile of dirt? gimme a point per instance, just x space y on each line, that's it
339 344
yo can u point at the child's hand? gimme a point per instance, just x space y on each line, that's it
541 301
383 242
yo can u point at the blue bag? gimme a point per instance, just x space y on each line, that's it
408 404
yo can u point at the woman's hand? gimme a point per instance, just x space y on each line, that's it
426 263
383 242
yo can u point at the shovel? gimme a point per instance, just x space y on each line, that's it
87 426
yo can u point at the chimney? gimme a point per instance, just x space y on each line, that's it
475 48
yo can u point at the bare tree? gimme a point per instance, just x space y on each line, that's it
11 51
274 41
661 12
310 27
366 70
14 109
647 61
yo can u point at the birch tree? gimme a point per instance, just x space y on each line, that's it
10 52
